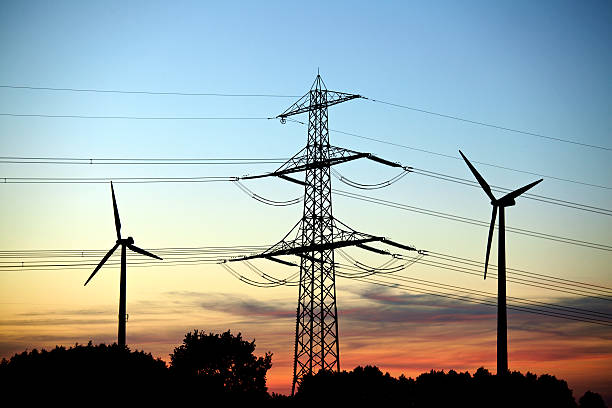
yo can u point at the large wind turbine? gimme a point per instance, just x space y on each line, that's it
501 204
129 243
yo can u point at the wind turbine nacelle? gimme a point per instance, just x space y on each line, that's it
128 241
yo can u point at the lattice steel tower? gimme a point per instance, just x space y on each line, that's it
318 233
316 331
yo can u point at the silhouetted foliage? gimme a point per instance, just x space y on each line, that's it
591 400
91 361
363 384
437 389
223 367
63 374
220 363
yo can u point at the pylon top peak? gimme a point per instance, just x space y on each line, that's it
318 84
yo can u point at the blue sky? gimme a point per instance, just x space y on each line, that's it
542 67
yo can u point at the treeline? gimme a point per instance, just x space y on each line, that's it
368 385
213 367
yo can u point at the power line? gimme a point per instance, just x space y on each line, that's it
518 276
423 286
118 180
534 282
136 161
40 115
28 260
472 221
140 180
246 161
458 293
459 158
507 129
7 160
174 93
487 302
536 197
456 289
265 95
432 288
145 159
521 271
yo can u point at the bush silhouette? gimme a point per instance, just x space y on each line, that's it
220 363
437 389
591 400
82 361
210 367
67 375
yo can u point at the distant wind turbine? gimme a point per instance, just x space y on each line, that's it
501 204
129 243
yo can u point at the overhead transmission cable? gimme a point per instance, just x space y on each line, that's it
245 161
516 277
362 186
432 288
41 260
504 128
448 156
405 207
536 197
265 95
471 221
172 93
138 161
117 117
264 200
460 289
484 301
458 293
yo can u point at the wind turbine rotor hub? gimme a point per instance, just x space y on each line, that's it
128 241
506 203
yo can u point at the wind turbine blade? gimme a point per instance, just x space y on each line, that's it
102 262
514 194
116 211
485 186
491 228
143 252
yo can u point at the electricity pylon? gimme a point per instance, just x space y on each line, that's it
318 234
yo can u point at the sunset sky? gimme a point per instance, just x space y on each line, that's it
543 68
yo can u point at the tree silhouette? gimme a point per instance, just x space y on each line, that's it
82 361
220 363
591 400
72 375
437 389
362 385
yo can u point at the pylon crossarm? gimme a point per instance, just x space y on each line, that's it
297 159
323 247
302 251
304 103
371 249
280 261
293 180
308 166
385 162
398 245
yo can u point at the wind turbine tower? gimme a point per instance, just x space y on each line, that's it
499 205
125 243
